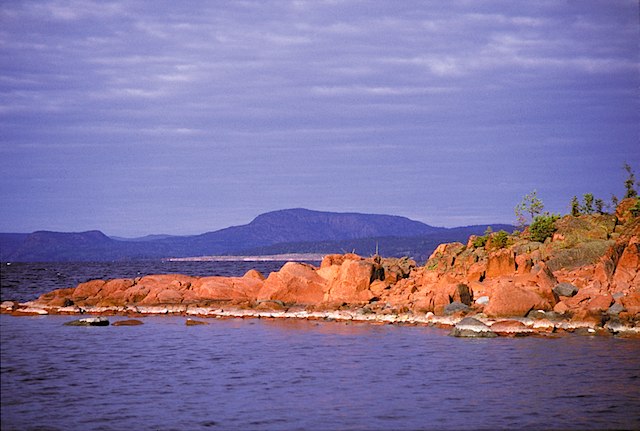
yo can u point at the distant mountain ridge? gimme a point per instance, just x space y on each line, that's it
290 230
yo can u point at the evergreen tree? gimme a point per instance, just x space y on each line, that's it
575 206
588 203
600 206
530 205
630 182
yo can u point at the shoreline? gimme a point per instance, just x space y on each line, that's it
288 257
507 326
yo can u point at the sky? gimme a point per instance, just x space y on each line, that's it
142 117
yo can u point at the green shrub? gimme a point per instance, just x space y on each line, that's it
500 239
543 227
635 210
480 241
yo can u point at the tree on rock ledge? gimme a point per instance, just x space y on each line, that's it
531 206
630 182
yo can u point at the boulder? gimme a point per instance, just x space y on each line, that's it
501 263
224 289
254 274
511 328
294 283
565 289
471 327
89 321
512 301
631 302
129 322
455 307
350 283
615 309
626 271
192 322
599 303
89 289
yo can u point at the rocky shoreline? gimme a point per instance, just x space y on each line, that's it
585 278
476 326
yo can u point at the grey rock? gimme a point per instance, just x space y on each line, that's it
565 289
470 327
89 321
541 314
615 309
454 307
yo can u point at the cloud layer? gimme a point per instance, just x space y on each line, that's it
179 117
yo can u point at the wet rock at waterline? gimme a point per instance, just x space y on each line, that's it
89 321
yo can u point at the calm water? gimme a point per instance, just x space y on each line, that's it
262 374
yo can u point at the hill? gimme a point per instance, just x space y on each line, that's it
292 230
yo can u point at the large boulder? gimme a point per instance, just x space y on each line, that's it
349 283
565 289
508 300
626 273
500 263
295 283
472 327
224 289
87 290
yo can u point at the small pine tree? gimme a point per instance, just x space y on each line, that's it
614 202
530 205
600 206
575 206
630 182
587 208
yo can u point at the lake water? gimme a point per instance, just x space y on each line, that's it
286 375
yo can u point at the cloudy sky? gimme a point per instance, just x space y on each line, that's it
139 117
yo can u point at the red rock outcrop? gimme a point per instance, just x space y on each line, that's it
599 255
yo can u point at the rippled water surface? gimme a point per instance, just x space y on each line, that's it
268 374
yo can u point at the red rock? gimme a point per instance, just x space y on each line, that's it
623 210
252 273
626 271
524 263
508 300
338 259
511 328
163 281
294 283
90 289
476 272
224 289
192 322
631 302
135 294
57 298
501 262
130 322
351 283
561 307
599 303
